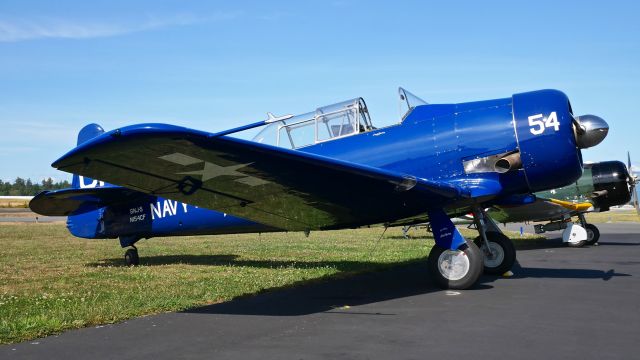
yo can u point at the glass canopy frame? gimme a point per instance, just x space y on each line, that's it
327 123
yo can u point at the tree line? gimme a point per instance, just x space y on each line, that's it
22 187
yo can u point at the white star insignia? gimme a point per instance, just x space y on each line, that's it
211 170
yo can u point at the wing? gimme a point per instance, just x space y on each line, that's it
538 210
75 201
286 189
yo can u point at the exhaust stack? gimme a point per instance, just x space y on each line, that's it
508 163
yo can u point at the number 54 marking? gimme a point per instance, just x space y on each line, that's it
538 123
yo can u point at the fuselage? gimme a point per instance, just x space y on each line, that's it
434 142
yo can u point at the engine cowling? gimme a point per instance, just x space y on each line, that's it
610 184
546 136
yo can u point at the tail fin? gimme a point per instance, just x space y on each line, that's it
87 133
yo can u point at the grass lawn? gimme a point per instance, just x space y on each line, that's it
51 281
14 203
613 216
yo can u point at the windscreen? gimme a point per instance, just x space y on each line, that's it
408 101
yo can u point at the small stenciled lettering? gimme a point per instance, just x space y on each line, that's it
136 218
136 210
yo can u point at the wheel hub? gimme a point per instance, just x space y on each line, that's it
493 258
453 264
590 235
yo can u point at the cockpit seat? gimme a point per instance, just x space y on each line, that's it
339 130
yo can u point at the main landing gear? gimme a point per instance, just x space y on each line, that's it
454 262
573 234
588 234
455 269
593 234
580 235
131 257
499 251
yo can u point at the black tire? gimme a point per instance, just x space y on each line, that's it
504 253
131 257
578 244
593 234
468 277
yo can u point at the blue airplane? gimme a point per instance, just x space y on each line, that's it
329 169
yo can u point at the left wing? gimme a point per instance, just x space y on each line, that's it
283 188
75 201
539 210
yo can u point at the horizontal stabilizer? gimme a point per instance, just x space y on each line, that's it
75 201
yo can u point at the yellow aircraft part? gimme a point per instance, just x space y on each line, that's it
584 206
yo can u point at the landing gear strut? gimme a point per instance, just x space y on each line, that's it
499 251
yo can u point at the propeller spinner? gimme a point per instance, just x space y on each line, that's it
590 130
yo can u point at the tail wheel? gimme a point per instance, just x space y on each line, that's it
593 234
502 255
131 257
455 269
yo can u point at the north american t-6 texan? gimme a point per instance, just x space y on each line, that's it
329 169
601 186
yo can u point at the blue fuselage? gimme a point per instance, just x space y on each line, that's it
432 142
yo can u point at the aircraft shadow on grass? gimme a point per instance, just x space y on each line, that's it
237 261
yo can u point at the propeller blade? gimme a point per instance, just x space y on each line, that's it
635 200
633 180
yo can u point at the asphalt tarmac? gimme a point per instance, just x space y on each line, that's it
21 215
562 303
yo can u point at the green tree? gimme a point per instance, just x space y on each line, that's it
19 187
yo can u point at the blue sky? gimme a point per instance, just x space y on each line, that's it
213 65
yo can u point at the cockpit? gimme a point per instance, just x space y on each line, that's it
327 123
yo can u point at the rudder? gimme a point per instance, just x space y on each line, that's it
87 133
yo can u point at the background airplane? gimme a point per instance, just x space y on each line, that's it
329 169
602 185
